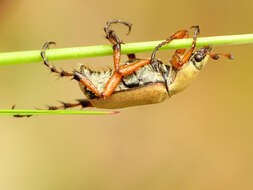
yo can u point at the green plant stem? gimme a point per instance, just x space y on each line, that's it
103 50
46 112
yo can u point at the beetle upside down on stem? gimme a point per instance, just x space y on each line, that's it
138 81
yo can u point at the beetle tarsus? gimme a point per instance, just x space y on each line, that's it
176 61
109 23
46 62
115 41
64 105
178 35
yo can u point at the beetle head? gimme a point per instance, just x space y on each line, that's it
199 58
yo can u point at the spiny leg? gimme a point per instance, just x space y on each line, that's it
111 84
176 61
80 102
123 71
114 39
114 80
52 67
178 35
76 75
87 83
129 69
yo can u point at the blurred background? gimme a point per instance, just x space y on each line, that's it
199 139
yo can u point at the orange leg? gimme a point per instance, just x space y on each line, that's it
115 78
76 75
176 61
114 81
114 39
129 69
178 35
112 84
124 70
86 82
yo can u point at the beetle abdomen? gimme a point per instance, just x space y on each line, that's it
144 86
149 94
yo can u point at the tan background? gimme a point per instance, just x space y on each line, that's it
200 139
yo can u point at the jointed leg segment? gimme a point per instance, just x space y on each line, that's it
80 102
119 72
51 67
115 41
176 60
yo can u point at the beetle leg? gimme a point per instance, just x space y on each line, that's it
176 60
80 102
124 70
113 82
86 82
178 35
52 67
114 39
129 69
76 75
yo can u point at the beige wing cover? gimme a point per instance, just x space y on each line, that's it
149 94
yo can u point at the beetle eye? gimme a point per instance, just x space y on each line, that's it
199 57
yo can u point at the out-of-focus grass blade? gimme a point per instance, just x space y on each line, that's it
55 112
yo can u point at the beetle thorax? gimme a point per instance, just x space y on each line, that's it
187 73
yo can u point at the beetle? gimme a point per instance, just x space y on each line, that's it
138 81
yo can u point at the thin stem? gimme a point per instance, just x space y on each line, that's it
55 112
103 50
